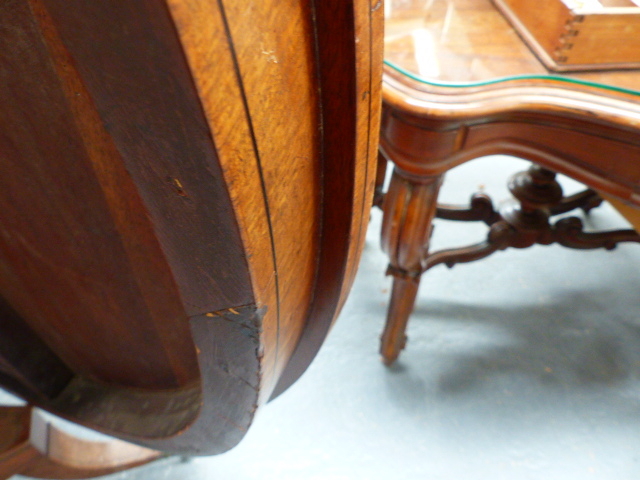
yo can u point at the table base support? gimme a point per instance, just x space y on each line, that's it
523 222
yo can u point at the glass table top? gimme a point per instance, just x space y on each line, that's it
469 42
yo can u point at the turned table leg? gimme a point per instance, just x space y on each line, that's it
394 338
409 208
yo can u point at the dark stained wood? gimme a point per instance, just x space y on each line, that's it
527 219
151 110
14 425
185 203
279 164
381 174
27 365
204 31
299 155
203 421
79 259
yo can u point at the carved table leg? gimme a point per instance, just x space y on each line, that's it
409 208
587 200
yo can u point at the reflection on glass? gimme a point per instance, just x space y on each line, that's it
470 42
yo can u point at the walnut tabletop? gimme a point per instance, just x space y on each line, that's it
457 65
468 42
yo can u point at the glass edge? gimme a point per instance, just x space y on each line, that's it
495 81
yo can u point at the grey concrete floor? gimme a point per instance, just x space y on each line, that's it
523 366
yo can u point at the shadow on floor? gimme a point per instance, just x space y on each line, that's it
574 342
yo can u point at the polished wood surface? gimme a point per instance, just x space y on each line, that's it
572 36
446 114
33 446
48 232
183 206
264 168
589 134
409 206
468 41
351 95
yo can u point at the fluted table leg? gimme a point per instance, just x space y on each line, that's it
409 209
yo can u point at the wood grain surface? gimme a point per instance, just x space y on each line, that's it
79 254
471 41
587 133
567 38
33 446
466 87
349 42
183 205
